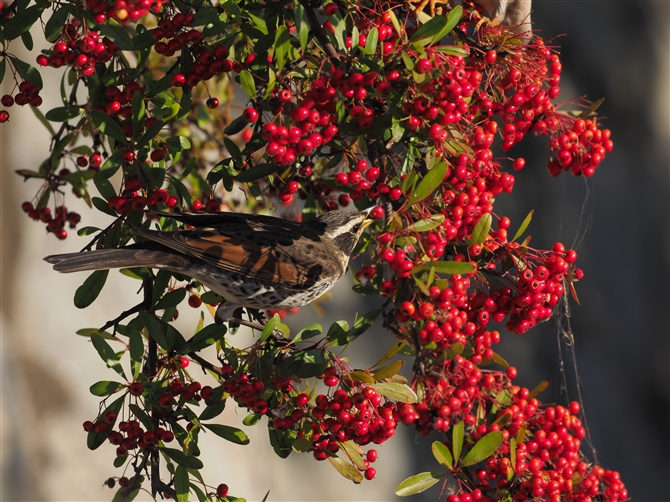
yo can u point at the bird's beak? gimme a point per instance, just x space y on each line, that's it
368 221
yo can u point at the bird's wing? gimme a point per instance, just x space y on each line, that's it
272 251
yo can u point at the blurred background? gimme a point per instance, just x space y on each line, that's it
618 221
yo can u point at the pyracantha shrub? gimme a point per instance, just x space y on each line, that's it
311 107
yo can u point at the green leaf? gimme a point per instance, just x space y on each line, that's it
346 469
54 26
27 40
118 35
204 16
3 66
391 352
430 182
418 483
447 267
105 388
107 354
308 332
362 324
22 21
443 455
171 299
388 371
207 336
270 327
481 230
253 419
213 410
63 113
104 186
138 111
88 332
457 433
187 461
27 72
539 387
107 125
281 442
426 224
302 24
396 391
231 434
154 328
338 24
235 126
248 84
181 483
437 28
40 116
257 172
95 439
483 449
524 225
136 345
89 291
101 205
282 45
371 42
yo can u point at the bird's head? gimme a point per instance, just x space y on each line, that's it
344 228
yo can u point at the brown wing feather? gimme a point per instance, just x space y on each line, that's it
282 257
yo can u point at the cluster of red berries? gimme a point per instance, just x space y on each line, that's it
131 199
29 94
581 149
119 105
122 10
79 48
55 222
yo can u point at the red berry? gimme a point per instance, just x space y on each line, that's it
377 213
250 115
222 490
4 116
194 301
370 473
178 79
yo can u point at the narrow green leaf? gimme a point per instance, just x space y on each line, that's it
27 40
481 230
282 45
443 455
457 433
136 343
253 419
396 391
302 24
104 186
154 328
248 84
418 483
105 388
54 26
181 484
108 126
362 324
447 267
213 410
95 439
21 22
207 336
235 126
524 225
371 42
257 172
138 110
426 224
391 352
308 332
182 459
483 449
338 24
27 72
108 355
231 434
388 371
539 387
346 469
171 299
89 291
430 182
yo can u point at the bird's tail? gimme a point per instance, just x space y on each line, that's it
104 259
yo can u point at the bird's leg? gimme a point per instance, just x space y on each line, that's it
148 287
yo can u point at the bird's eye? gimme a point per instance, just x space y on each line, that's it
356 228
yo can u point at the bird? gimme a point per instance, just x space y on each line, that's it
252 261
512 13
